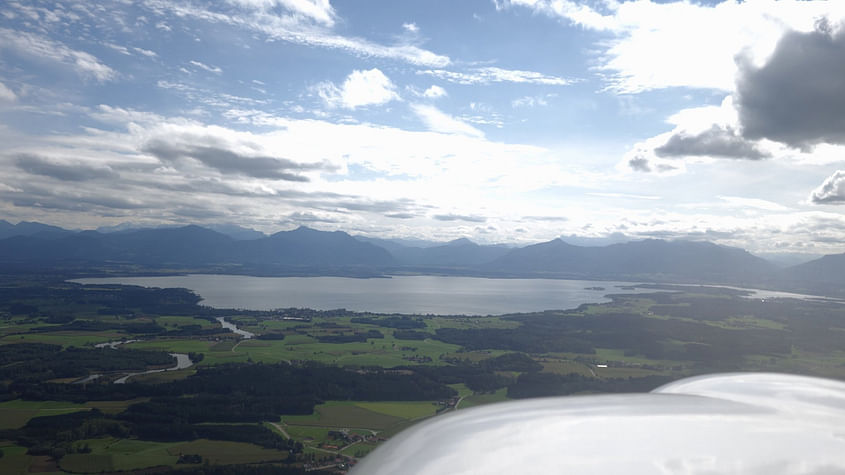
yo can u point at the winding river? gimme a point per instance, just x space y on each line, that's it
232 327
182 362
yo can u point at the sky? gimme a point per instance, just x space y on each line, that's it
503 121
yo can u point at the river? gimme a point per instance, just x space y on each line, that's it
182 362
233 328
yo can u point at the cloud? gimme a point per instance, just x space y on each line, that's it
645 163
798 96
656 45
434 92
361 88
582 15
62 171
627 196
308 217
146 52
699 134
297 28
120 49
756 203
459 217
6 94
553 219
411 27
32 45
319 11
166 168
529 101
490 74
832 191
71 199
211 69
639 164
227 161
714 142
438 121
400 215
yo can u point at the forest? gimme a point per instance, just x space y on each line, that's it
292 392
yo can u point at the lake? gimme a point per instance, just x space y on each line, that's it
400 294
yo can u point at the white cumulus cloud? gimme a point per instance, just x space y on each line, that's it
361 88
658 45
832 191
434 92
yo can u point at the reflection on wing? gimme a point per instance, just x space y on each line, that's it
745 423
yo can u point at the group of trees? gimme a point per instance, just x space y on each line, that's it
35 362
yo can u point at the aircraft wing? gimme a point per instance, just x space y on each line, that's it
741 423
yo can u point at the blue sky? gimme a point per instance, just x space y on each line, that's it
499 120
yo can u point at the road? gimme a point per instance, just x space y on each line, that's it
281 429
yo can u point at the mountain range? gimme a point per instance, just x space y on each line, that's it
306 251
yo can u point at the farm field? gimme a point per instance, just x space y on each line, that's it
323 387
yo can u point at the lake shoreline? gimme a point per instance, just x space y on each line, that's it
408 295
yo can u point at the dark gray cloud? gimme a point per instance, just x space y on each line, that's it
643 164
196 212
400 215
798 96
714 142
832 191
227 161
459 217
38 165
33 197
399 205
639 164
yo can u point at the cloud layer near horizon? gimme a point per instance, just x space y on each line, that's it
503 121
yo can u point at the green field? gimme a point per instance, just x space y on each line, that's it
15 414
118 454
405 410
14 461
347 415
226 453
481 399
597 348
123 454
64 338
386 352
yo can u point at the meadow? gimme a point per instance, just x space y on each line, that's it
634 343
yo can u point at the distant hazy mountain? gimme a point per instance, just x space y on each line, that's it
460 253
393 243
823 275
238 233
652 258
26 228
312 252
310 247
119 228
234 231
615 238
198 247
787 259
150 247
